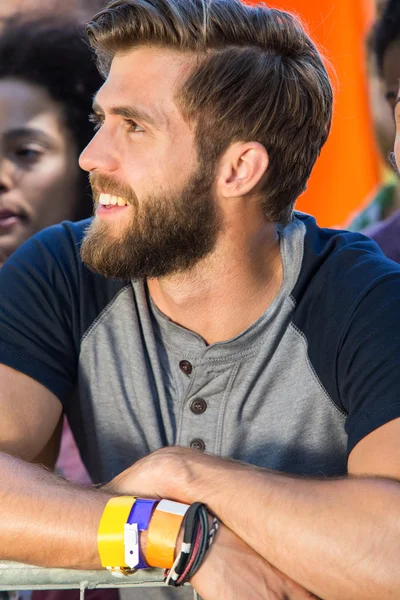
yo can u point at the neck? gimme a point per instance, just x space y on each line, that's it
227 291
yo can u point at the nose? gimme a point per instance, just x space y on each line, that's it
99 154
6 175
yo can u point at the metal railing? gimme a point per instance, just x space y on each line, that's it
18 577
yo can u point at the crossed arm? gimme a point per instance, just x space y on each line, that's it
340 538
336 538
53 523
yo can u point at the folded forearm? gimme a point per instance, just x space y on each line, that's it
233 570
338 538
47 521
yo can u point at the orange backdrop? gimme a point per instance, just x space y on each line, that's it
349 167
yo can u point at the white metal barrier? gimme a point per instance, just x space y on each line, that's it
18 577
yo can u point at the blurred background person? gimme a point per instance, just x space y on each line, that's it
383 54
47 81
385 42
81 10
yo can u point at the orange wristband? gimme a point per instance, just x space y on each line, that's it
162 533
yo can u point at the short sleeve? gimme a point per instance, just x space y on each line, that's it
38 291
348 309
368 362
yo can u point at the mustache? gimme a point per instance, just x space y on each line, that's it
104 184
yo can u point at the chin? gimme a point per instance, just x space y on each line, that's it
106 230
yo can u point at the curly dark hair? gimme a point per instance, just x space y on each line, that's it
54 54
385 31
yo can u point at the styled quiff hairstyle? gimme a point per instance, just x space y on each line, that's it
258 77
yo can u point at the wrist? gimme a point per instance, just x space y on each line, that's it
198 530
136 533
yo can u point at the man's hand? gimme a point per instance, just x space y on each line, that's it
318 532
176 473
233 571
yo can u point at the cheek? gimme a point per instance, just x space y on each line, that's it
51 191
160 166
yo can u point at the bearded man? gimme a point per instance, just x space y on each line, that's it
207 342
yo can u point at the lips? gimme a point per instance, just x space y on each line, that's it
8 219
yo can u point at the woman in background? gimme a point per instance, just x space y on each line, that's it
47 82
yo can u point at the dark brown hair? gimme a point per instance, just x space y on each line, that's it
258 77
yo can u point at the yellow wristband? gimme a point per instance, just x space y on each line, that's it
110 539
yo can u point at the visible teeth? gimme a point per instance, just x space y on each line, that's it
108 199
104 199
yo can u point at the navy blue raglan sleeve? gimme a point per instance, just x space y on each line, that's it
368 358
39 321
348 308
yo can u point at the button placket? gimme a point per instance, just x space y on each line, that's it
201 405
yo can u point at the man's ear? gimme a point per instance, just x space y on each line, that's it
241 168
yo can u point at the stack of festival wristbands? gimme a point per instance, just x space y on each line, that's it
123 519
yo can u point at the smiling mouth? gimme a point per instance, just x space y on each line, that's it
109 200
8 219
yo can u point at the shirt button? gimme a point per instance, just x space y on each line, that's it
185 366
198 406
197 444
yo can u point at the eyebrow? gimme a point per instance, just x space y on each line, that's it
32 132
134 113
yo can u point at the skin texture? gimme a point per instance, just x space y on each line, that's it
38 170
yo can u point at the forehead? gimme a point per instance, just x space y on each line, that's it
145 76
21 101
27 106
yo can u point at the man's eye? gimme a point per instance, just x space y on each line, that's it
132 126
97 120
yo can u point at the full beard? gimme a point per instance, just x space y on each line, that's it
169 233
